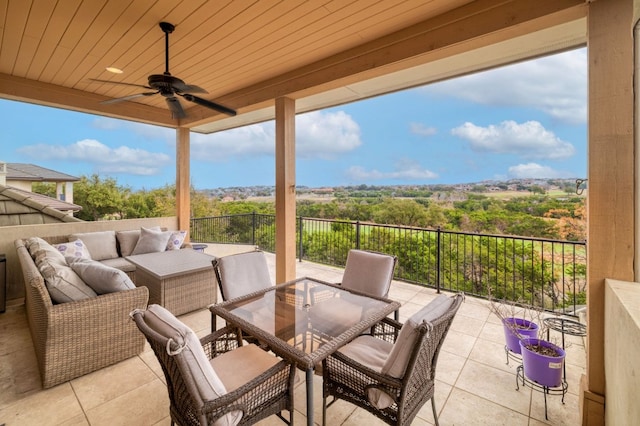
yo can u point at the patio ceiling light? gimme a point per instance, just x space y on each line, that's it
114 70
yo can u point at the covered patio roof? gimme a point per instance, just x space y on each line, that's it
272 59
319 53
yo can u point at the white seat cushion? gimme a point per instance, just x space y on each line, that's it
369 273
243 273
242 365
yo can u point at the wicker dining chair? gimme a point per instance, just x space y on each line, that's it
391 373
216 380
240 274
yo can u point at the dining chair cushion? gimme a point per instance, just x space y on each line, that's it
396 364
372 353
368 272
243 273
242 365
193 363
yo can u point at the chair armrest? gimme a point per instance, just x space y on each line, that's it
249 397
386 329
220 341
351 367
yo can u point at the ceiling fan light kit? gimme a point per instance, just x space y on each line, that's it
169 86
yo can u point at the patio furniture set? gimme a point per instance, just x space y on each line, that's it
244 371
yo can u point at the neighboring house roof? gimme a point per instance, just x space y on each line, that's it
18 207
31 172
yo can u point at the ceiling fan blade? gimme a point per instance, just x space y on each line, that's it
208 104
121 83
127 98
176 108
187 88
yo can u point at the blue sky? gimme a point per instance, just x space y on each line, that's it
520 121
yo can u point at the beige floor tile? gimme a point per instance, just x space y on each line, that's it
458 343
145 405
48 407
96 388
567 414
493 355
467 325
80 420
495 385
464 408
425 415
449 367
493 332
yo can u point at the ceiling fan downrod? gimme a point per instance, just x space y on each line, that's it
167 28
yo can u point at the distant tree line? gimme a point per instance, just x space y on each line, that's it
534 215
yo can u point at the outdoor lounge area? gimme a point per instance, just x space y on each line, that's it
474 385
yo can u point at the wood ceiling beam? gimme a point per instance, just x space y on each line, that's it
469 27
25 90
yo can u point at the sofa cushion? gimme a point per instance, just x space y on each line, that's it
151 241
191 359
63 284
120 263
101 245
101 278
75 248
176 239
39 249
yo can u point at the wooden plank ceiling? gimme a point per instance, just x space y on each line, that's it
243 52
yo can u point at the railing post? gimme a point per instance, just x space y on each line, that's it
253 223
358 234
300 238
438 258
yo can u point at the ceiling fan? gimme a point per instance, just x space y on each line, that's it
169 86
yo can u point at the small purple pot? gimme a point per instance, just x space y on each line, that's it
516 329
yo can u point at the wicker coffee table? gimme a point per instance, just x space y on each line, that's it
180 280
286 313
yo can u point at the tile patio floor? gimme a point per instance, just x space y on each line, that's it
474 384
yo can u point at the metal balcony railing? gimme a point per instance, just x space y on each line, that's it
541 273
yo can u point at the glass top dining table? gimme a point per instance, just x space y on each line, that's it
305 320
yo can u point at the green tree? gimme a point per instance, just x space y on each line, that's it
100 198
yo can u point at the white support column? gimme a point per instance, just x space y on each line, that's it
285 190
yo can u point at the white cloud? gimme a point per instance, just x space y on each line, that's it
535 171
105 159
145 130
528 140
405 169
318 135
556 85
422 130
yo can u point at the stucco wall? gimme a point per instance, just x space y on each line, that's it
621 344
8 234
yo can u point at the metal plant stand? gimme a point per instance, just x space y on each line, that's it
565 326
546 390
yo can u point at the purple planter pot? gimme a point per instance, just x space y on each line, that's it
516 329
542 369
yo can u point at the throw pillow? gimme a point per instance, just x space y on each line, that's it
176 239
40 250
101 278
74 249
101 245
151 241
63 284
127 240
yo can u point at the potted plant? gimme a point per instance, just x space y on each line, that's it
542 361
516 329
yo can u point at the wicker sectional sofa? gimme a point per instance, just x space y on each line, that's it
75 338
